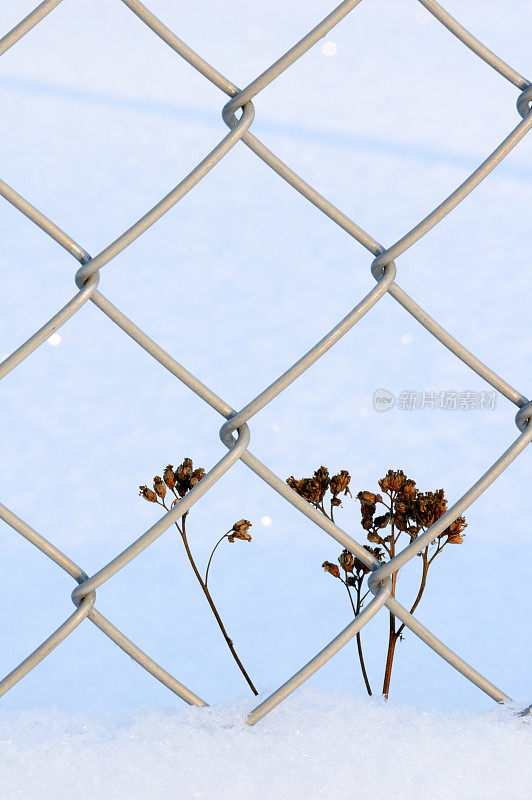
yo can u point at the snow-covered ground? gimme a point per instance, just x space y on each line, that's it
99 120
318 746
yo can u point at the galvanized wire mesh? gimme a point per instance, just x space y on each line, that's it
238 113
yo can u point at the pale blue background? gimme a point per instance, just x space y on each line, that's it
100 120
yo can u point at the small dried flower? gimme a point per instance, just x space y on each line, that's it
409 490
359 566
169 477
413 531
374 537
381 522
394 481
454 531
182 476
429 507
159 487
196 476
367 516
340 483
347 560
367 498
376 551
400 522
455 538
240 531
332 569
147 494
311 489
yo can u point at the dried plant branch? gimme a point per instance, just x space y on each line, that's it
180 482
408 511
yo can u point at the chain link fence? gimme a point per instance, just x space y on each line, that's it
238 114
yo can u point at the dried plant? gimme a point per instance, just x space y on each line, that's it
173 486
406 513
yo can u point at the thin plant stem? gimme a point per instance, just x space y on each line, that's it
214 610
220 540
356 611
392 635
424 572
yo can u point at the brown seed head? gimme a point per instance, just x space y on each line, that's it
346 560
454 531
242 525
182 476
409 490
367 516
367 498
428 507
147 494
359 565
377 552
245 537
311 489
381 522
332 569
169 477
196 477
400 522
394 481
240 531
159 487
340 483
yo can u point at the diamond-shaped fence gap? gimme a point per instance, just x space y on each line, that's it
109 53
156 597
362 77
185 327
452 248
93 681
483 635
37 287
22 600
137 432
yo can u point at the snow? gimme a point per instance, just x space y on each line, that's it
320 746
237 281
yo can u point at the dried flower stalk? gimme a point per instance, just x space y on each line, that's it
179 482
406 513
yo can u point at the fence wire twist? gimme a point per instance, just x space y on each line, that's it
238 114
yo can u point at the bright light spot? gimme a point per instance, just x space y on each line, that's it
329 49
266 521
276 427
254 34
406 338
364 412
54 339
